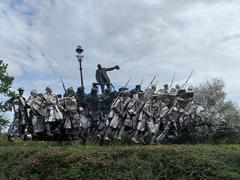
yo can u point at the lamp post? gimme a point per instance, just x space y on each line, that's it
80 56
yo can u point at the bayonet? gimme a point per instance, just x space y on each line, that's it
63 85
184 84
173 78
142 82
121 91
152 81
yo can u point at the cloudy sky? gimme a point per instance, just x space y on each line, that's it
145 37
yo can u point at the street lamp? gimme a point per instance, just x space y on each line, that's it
80 56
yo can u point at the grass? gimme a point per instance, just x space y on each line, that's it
42 160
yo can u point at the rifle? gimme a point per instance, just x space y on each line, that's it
121 91
157 83
152 81
184 84
63 85
147 98
142 82
218 111
173 78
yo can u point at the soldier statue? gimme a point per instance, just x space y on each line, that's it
81 97
53 113
92 100
135 91
37 113
20 123
105 102
72 119
102 77
85 122
119 108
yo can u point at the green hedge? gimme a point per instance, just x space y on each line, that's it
120 162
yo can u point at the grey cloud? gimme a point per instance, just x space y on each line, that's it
143 37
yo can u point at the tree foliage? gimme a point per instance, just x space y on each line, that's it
210 94
5 84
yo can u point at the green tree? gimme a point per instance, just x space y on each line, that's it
211 94
5 84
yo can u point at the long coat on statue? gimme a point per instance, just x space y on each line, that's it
101 75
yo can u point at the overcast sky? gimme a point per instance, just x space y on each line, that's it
144 37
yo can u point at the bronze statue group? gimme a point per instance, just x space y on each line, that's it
147 116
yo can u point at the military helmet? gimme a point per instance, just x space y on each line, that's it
122 89
154 96
34 91
138 87
140 94
190 88
153 86
48 89
70 90
21 89
99 66
125 92
80 89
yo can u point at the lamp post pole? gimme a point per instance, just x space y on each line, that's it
80 56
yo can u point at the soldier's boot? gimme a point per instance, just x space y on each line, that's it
161 137
10 138
57 132
84 140
142 140
146 134
163 134
48 129
25 138
153 139
68 135
106 138
157 127
116 134
25 134
134 138
120 133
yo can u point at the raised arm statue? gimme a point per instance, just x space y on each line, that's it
102 77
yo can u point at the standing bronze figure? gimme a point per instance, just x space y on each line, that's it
102 77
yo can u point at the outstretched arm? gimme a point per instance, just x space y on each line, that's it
112 68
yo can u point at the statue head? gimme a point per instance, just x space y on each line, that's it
34 93
99 66
125 93
190 88
154 87
94 90
80 90
166 86
48 90
70 92
177 87
21 91
138 87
